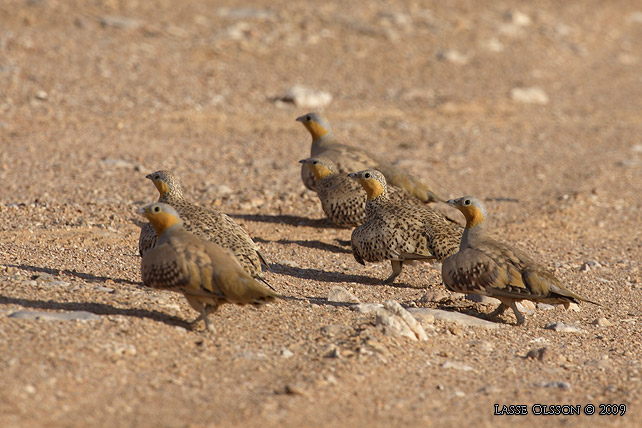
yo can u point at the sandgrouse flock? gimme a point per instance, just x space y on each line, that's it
210 259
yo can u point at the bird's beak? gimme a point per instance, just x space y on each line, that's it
302 161
451 202
140 210
352 175
148 176
299 119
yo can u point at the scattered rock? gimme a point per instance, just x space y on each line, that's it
561 327
55 316
341 295
543 354
117 163
244 13
295 389
518 18
455 317
573 307
526 306
286 353
41 95
560 385
366 307
418 94
104 289
588 265
457 366
396 321
602 322
635 17
304 97
120 22
434 296
532 95
332 352
333 330
493 45
223 190
545 306
453 56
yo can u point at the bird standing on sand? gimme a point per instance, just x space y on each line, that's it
350 159
399 232
343 200
488 267
206 223
206 273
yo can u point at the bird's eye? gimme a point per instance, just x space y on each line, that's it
366 175
308 118
315 162
156 209
467 202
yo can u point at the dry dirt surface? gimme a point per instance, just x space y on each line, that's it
533 107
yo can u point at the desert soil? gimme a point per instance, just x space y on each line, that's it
533 107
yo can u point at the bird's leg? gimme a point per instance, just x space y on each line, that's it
396 270
518 314
497 312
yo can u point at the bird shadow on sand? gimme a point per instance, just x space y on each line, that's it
88 277
291 220
96 308
310 244
332 276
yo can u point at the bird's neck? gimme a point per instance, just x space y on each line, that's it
374 190
171 197
471 233
164 224
317 131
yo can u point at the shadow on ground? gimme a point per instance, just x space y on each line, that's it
96 308
292 220
81 275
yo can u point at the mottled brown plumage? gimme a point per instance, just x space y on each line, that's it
206 223
488 267
206 273
398 231
350 159
343 200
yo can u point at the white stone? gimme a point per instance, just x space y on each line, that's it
453 317
563 328
457 366
530 95
302 96
366 307
341 295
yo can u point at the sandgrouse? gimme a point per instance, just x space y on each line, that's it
206 273
343 200
350 159
206 223
400 232
488 267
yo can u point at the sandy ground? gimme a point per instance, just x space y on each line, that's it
94 95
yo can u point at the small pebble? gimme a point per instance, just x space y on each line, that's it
366 307
55 316
286 353
304 97
563 328
341 295
602 322
456 366
531 95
